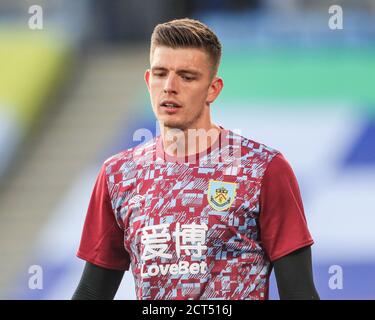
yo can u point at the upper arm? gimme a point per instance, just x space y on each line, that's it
284 232
283 225
102 241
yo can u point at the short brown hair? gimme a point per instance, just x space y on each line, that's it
187 33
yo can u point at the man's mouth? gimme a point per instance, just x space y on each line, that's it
170 105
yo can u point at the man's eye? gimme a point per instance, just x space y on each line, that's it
187 78
159 74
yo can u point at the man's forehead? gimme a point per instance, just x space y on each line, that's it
179 57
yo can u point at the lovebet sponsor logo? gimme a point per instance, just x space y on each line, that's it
183 267
188 240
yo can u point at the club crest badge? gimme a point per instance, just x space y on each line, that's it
221 194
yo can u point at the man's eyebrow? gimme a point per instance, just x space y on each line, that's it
192 72
158 68
179 71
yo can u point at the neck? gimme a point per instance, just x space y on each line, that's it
189 141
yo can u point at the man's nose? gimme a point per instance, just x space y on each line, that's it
170 85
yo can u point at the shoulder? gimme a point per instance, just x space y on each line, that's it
252 150
131 157
279 165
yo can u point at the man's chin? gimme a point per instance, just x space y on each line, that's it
172 124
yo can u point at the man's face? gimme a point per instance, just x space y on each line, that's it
181 87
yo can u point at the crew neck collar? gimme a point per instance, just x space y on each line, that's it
160 152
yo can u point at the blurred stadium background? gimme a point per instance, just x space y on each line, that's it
72 94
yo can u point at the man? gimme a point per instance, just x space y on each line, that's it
196 216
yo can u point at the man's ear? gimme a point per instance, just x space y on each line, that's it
214 90
147 78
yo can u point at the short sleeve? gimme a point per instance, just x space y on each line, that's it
283 226
102 241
